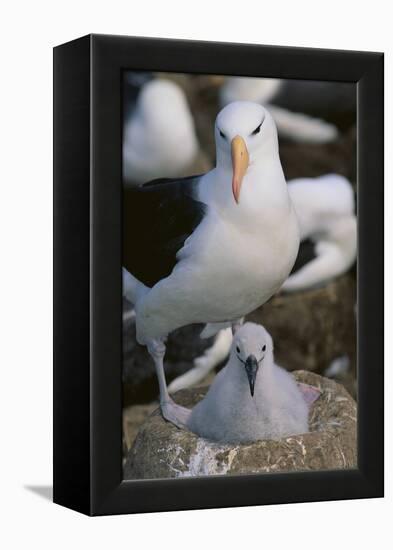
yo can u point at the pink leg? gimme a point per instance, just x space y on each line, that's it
310 393
236 325
172 412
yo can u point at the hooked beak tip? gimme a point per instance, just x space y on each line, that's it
251 371
236 190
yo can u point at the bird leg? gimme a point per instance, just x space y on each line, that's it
171 411
211 357
236 324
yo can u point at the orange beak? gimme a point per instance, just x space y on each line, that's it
240 160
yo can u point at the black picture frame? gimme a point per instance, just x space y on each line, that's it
87 274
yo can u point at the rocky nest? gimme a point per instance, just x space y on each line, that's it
161 450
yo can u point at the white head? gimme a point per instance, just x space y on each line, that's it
245 136
251 351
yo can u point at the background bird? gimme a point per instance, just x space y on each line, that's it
211 248
252 398
325 207
159 138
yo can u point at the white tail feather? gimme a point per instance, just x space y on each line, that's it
131 286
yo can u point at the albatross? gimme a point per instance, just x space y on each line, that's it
209 248
325 207
252 398
157 141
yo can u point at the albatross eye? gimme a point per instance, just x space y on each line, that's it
222 134
237 349
264 347
257 130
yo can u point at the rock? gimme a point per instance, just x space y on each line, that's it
163 451
133 417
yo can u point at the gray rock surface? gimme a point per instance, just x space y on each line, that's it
161 450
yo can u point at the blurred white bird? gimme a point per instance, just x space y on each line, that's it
159 138
252 398
325 207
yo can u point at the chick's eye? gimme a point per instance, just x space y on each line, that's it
264 347
257 130
237 349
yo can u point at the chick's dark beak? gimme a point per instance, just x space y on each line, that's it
251 366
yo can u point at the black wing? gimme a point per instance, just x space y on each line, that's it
157 219
305 255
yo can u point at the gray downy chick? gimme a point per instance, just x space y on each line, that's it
252 398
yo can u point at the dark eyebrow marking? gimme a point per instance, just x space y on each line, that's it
258 128
221 133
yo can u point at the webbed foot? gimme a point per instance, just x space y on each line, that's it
174 413
310 393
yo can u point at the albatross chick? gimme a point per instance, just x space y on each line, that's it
252 398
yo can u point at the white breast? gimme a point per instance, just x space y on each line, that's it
235 260
240 270
223 274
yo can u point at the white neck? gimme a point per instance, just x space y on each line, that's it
263 197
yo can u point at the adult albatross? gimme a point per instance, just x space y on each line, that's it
209 248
